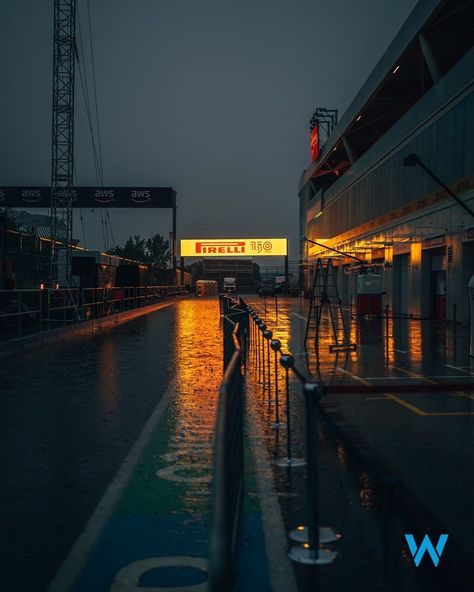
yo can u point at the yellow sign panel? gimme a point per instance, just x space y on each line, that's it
234 247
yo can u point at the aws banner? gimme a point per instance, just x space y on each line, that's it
234 247
91 197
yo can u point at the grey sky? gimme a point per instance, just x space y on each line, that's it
212 97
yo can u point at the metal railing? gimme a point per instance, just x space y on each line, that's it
228 450
29 312
311 536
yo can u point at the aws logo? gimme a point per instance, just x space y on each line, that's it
104 195
31 195
140 196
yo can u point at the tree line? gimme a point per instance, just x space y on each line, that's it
154 250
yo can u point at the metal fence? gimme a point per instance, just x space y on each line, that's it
29 312
228 449
311 536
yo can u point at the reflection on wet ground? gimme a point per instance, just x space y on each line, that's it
70 413
424 439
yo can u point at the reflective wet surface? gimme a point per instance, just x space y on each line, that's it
421 440
70 413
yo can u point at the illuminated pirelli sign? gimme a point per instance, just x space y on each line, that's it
234 247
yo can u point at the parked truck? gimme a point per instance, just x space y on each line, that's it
229 284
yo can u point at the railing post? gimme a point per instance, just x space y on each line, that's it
267 336
276 346
288 362
310 552
262 328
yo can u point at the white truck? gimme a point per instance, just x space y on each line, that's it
229 284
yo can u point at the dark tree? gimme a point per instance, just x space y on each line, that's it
154 250
134 248
158 251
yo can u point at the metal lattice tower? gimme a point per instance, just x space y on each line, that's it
62 161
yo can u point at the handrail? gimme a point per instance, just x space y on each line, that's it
29 312
228 458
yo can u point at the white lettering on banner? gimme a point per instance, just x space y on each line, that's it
26 193
231 247
140 193
104 193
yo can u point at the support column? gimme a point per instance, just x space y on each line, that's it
173 246
429 58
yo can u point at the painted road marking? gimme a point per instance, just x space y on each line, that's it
406 404
295 314
461 369
414 375
282 578
401 351
77 558
128 578
461 394
354 376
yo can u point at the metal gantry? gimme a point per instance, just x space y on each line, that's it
327 121
62 160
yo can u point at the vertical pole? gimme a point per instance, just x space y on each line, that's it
288 414
268 372
181 270
286 271
263 360
310 391
173 247
277 412
257 330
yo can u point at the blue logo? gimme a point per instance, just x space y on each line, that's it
426 547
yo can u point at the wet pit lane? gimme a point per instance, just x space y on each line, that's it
70 413
422 437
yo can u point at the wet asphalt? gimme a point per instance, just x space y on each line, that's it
70 413
418 442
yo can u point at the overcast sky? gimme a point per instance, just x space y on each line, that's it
212 97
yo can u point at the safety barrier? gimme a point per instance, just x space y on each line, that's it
228 450
310 536
29 312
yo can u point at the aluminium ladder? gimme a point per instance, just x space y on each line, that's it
325 289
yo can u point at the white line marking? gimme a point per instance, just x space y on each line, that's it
295 314
401 351
459 368
280 569
77 557
350 374
409 377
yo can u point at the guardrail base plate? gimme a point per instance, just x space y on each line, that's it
309 556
